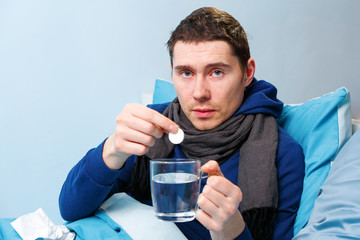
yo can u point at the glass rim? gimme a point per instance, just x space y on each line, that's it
174 160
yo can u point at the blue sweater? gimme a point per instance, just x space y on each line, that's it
90 182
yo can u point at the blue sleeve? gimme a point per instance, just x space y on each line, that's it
291 171
245 235
89 183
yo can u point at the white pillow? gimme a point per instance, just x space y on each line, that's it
138 220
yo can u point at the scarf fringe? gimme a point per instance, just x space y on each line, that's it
260 222
139 186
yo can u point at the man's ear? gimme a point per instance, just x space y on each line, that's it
250 71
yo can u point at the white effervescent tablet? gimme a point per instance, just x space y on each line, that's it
178 137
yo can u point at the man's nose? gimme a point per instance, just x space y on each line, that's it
201 91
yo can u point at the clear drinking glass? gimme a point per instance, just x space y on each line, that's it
175 186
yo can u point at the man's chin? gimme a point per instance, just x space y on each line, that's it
204 124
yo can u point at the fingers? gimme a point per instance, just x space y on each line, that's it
217 209
138 126
133 127
221 195
223 186
152 116
219 200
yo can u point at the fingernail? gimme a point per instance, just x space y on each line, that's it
172 127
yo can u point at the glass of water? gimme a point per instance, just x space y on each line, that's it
175 186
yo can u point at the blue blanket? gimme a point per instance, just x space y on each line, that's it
7 231
99 226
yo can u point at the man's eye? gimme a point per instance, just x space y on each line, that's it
217 73
186 74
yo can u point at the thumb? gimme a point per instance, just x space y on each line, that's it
212 168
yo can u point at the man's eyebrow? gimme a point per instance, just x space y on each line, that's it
182 67
211 65
218 64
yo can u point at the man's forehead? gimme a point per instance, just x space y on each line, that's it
217 52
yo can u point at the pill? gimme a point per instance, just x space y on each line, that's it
178 137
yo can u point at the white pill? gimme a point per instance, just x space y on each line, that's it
178 137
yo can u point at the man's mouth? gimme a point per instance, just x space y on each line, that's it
204 112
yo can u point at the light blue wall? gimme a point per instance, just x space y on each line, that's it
67 68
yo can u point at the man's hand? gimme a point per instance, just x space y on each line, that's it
219 202
137 127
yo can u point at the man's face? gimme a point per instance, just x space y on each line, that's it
209 82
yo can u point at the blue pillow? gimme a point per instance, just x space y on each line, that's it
164 92
336 213
321 126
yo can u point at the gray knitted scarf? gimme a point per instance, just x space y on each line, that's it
254 135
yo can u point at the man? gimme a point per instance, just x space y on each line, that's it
256 169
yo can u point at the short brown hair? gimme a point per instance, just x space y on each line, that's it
208 24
